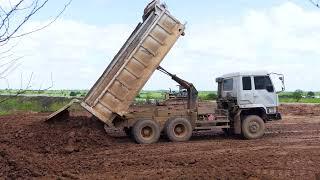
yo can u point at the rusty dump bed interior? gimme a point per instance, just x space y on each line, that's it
134 64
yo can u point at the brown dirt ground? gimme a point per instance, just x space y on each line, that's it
80 148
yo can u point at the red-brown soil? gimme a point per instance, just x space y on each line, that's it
80 148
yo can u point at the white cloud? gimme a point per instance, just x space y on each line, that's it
75 53
282 39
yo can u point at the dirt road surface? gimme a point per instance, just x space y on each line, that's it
80 149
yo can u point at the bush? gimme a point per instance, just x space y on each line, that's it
73 93
149 96
311 94
211 96
297 95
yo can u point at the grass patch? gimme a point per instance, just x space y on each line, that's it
147 95
53 100
50 93
4 113
303 100
33 104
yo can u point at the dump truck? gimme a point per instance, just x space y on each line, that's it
246 101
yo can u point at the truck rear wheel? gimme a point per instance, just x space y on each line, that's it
178 129
253 127
146 132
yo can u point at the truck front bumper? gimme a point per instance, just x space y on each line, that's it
274 117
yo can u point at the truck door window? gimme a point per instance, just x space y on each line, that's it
228 85
263 82
246 83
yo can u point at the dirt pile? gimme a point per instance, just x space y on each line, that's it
36 135
27 139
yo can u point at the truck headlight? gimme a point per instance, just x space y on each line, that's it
272 110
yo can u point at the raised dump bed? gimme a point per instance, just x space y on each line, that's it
134 64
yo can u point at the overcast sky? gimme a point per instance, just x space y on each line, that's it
221 37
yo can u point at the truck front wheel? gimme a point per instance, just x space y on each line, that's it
253 127
178 129
146 132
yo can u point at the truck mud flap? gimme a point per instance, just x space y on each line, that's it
237 124
62 113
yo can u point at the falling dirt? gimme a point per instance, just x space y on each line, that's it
80 148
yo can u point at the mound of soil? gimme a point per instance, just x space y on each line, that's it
26 139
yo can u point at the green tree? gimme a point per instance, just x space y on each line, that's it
297 95
74 93
211 96
311 94
149 96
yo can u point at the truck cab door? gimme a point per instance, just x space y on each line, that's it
264 91
246 91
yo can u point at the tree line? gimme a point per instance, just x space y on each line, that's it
298 94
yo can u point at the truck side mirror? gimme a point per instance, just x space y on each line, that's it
219 80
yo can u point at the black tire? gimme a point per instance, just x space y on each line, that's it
253 127
146 132
178 129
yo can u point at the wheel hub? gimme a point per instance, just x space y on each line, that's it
146 132
180 130
254 127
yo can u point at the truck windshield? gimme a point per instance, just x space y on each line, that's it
263 82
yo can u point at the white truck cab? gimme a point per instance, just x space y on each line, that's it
251 90
246 94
